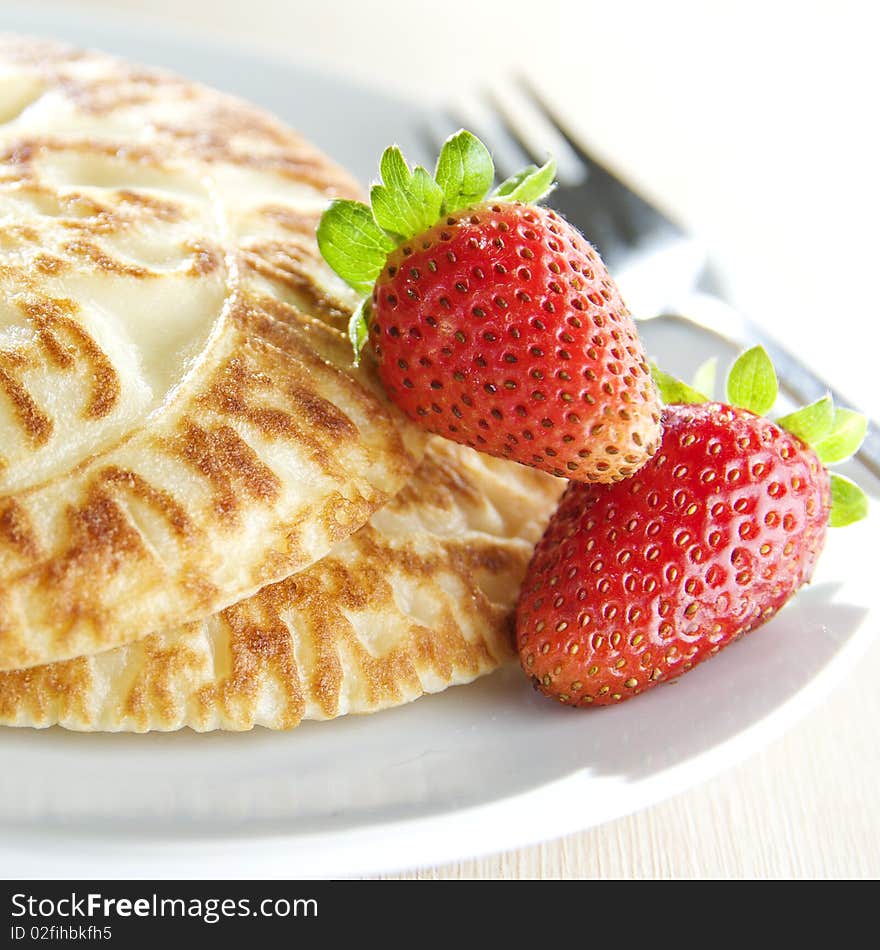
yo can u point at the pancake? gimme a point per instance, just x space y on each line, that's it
419 599
181 420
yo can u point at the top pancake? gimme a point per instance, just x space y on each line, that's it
181 420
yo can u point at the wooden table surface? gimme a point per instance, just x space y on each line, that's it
754 122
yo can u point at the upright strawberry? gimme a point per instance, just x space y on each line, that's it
493 321
635 583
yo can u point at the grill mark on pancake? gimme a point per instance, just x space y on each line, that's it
205 259
91 218
100 97
14 235
36 424
240 118
156 207
51 319
152 689
158 500
321 414
106 262
99 536
303 595
50 265
320 349
313 422
450 486
26 149
18 155
84 213
105 389
51 315
261 648
317 601
99 526
439 648
295 163
88 217
285 264
301 223
227 462
30 51
231 397
321 598
45 316
199 590
340 513
16 529
47 692
71 208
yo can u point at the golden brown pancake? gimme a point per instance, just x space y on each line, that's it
417 600
181 420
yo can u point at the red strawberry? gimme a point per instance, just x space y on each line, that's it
636 583
497 325
500 328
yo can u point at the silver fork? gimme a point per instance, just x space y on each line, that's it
662 269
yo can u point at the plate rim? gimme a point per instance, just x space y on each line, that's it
453 835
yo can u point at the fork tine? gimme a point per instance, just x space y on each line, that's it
507 152
551 116
537 134
604 178
618 220
436 126
477 115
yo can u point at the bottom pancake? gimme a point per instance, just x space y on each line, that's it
419 599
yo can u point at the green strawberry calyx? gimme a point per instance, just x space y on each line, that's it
832 432
355 238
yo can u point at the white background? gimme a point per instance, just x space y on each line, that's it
755 123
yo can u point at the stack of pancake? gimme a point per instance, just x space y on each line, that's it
208 516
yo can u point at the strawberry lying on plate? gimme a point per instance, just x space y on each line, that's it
492 320
633 584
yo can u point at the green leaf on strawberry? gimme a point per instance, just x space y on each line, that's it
464 171
752 383
673 390
353 244
833 433
847 432
530 185
810 423
408 201
848 502
704 377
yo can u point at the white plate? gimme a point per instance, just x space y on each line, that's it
474 770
